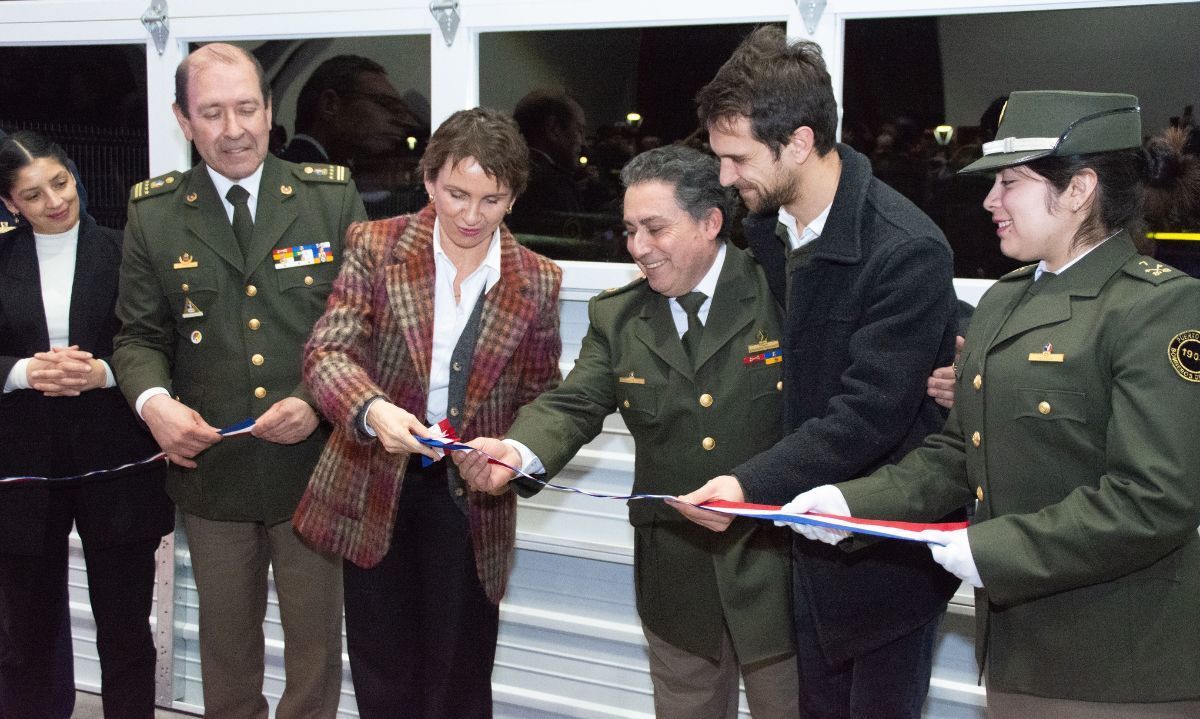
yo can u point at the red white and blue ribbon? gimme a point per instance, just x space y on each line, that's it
446 440
908 531
234 429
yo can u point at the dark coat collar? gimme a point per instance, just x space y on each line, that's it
841 239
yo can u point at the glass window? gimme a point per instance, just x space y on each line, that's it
359 102
921 95
91 99
588 101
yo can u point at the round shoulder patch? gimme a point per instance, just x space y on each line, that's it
1184 353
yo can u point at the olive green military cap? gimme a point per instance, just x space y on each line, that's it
1045 123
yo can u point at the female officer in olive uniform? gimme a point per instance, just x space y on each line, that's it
1074 429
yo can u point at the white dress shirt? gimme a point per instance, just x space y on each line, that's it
798 238
450 318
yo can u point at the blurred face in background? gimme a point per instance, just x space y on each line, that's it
44 195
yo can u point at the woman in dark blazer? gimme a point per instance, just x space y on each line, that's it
62 415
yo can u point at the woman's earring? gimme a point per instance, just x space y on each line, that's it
510 206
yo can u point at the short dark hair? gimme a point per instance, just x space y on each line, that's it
1117 203
778 85
218 51
21 149
538 105
695 176
339 74
489 136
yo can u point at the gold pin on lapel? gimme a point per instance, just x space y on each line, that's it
191 197
631 379
763 344
185 262
190 309
1046 355
285 190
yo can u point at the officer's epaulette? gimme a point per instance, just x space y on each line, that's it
313 172
160 185
1151 270
614 291
1019 273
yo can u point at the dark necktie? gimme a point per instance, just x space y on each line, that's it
691 303
243 224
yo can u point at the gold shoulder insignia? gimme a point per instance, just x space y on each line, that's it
614 291
1020 272
1151 270
311 172
160 185
6 228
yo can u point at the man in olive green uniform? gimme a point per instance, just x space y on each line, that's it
696 378
226 267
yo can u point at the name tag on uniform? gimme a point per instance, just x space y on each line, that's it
302 255
1046 355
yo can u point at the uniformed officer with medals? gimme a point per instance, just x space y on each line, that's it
214 328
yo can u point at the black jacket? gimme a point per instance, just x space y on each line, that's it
59 436
870 312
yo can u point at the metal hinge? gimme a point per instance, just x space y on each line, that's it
156 22
445 12
810 13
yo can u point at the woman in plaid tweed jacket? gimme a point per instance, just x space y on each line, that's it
412 610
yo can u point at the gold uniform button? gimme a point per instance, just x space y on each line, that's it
256 359
625 404
308 280
708 443
185 287
978 383
976 439
1044 407
979 493
779 385
260 392
254 324
251 290
454 411
456 366
458 491
706 400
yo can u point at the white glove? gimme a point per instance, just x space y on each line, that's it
953 552
826 499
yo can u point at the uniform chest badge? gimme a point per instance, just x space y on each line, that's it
302 255
1046 355
1184 354
762 344
190 309
186 262
631 379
